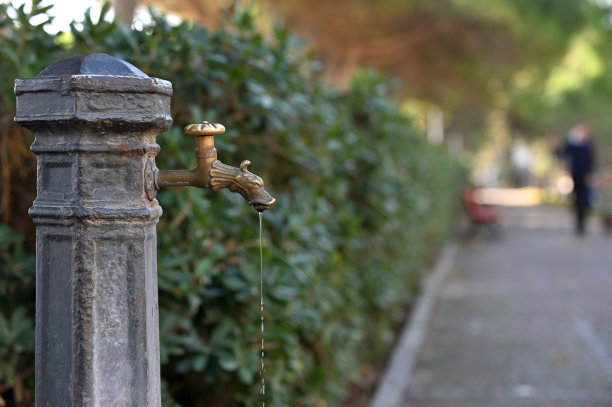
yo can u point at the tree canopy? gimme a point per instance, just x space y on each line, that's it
542 62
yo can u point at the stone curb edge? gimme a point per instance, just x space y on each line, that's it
392 387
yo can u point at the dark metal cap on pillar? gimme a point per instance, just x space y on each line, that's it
91 64
94 88
95 118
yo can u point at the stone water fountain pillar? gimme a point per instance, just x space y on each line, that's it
95 119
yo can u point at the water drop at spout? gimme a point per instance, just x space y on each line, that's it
261 208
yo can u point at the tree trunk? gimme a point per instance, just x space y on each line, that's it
125 11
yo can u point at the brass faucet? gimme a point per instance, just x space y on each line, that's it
213 174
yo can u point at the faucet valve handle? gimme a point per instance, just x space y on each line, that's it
205 129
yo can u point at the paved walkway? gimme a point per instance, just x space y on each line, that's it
524 319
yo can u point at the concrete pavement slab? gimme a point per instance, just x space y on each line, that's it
523 320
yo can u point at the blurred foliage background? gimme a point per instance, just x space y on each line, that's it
527 57
364 202
498 70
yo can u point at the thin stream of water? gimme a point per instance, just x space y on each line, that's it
261 309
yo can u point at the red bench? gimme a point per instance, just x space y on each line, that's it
476 212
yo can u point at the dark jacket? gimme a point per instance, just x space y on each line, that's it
580 159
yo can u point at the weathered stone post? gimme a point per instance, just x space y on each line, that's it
95 118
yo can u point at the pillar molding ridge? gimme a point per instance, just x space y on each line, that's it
94 83
42 212
138 148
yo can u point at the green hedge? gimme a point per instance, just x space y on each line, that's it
363 205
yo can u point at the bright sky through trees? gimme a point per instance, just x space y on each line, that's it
63 11
66 11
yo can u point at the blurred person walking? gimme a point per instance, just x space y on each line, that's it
578 151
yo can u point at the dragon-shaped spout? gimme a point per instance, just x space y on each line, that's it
241 180
213 174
